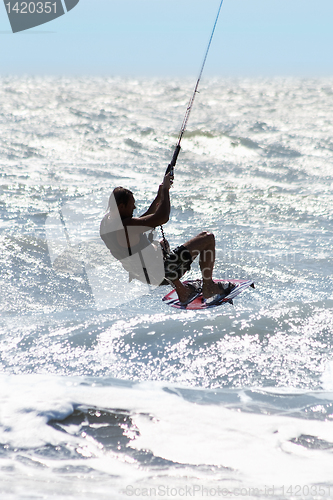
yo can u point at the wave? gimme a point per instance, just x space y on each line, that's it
129 432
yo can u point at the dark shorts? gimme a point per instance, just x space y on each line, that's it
177 263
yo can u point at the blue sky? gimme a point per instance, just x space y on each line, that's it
169 38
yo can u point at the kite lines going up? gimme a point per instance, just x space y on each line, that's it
171 165
170 168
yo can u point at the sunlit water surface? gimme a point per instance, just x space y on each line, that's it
105 390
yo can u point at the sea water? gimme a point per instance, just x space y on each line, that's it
105 391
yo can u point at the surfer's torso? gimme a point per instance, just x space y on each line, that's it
124 241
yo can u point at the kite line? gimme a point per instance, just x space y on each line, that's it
171 166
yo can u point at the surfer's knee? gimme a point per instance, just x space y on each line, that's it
209 238
205 234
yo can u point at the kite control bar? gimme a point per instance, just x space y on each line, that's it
173 161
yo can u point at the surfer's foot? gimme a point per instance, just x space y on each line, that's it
188 293
210 288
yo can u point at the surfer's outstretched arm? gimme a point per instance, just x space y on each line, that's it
153 207
162 209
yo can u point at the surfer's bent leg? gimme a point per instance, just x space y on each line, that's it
204 245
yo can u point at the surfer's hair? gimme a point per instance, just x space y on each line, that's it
121 195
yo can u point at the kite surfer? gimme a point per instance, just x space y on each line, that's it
152 261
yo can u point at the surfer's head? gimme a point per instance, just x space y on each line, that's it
125 201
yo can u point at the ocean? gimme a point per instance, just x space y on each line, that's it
107 392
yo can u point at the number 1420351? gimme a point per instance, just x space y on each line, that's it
32 8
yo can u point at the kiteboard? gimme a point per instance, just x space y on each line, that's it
199 302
